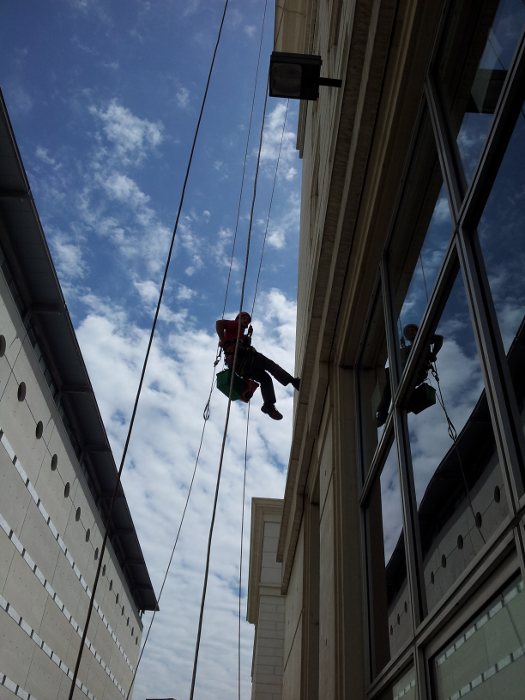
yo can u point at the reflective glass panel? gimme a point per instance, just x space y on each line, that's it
390 611
374 383
501 234
421 236
404 687
474 59
487 658
458 483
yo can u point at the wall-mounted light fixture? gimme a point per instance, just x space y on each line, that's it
297 76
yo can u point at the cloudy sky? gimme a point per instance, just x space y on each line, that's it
104 97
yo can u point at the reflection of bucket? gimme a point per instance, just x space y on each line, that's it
422 397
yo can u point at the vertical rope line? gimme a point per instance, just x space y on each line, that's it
145 364
206 417
270 208
250 121
206 412
241 551
221 459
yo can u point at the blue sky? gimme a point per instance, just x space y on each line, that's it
104 97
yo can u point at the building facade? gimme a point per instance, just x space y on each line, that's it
402 536
57 476
265 601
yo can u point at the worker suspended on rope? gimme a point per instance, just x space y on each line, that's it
251 364
420 399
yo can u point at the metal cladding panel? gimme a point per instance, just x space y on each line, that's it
39 296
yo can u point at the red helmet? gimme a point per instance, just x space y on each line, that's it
244 317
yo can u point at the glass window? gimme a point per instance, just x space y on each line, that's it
487 658
458 485
422 233
404 687
502 240
374 383
389 604
474 59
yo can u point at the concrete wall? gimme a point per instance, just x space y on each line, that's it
50 538
265 602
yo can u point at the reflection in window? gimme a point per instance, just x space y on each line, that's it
485 50
390 610
404 687
421 235
374 381
502 242
426 266
487 659
454 457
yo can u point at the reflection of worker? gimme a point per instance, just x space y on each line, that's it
250 363
409 333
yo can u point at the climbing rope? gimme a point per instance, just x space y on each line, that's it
451 428
206 411
453 434
241 552
245 160
225 432
270 207
145 364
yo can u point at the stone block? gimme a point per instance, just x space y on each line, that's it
44 677
16 650
7 552
25 592
38 539
50 489
14 496
38 397
19 427
58 633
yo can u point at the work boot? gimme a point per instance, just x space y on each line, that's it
296 383
270 410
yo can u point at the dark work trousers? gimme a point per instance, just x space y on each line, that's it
253 365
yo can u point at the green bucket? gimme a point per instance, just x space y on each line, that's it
242 389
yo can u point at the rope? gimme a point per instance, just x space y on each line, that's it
206 417
241 552
245 159
453 434
206 410
221 460
270 207
143 372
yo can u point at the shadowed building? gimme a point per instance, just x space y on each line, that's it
57 476
402 540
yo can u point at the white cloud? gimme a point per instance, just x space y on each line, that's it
276 238
250 30
162 453
278 143
43 155
183 97
148 291
131 136
122 188
185 293
68 257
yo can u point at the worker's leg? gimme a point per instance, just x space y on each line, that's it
264 379
260 361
